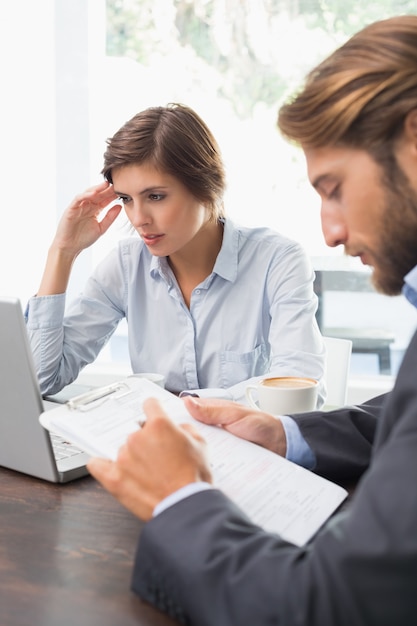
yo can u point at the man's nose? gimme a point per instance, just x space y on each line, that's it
333 227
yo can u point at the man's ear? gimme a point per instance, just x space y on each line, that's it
406 148
410 127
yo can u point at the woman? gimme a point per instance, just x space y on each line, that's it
208 304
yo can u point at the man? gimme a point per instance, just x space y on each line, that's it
199 558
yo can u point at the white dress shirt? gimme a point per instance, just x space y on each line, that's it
254 314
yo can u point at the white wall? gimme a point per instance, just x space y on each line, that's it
48 50
27 131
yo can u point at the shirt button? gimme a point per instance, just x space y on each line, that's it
197 291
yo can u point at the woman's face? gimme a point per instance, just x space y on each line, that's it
162 211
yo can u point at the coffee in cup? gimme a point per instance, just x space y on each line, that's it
283 395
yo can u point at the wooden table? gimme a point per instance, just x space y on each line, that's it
66 555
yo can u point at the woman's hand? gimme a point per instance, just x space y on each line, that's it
79 226
156 461
260 428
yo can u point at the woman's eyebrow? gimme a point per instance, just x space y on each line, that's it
143 191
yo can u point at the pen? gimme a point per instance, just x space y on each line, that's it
95 394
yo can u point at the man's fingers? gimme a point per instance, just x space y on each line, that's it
192 430
123 485
215 412
153 408
101 469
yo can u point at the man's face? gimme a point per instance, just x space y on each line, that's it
374 220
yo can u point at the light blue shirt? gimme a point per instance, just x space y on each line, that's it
410 287
254 314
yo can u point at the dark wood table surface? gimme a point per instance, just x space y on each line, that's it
66 556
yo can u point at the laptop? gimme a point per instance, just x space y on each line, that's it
25 446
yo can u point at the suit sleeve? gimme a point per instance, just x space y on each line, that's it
342 440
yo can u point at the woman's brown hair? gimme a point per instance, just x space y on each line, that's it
175 140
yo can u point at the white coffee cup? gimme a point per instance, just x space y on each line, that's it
158 379
283 395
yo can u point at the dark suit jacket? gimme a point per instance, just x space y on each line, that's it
203 562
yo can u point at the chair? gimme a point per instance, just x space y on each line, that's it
337 370
364 340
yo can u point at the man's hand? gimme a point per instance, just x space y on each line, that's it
256 426
156 461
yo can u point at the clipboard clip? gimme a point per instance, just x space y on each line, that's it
83 401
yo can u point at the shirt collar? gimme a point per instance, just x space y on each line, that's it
227 259
159 266
410 286
226 262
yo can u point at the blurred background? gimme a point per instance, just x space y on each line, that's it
73 71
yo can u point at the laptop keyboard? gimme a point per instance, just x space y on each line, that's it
62 448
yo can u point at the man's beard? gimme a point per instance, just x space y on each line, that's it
397 250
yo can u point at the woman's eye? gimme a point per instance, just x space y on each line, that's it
124 199
156 197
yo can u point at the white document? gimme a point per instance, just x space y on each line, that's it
275 493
